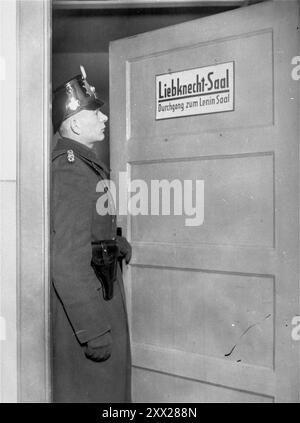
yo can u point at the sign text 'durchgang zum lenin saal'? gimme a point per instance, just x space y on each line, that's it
195 91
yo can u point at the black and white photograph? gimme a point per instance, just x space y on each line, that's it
150 204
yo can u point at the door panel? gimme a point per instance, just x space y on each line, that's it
238 201
253 107
211 306
182 390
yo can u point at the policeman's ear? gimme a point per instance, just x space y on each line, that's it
75 126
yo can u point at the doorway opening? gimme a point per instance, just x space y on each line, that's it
81 36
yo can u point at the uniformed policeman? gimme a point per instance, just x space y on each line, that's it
91 350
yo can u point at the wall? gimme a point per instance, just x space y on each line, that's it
8 188
24 194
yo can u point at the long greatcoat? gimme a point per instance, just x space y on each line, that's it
79 312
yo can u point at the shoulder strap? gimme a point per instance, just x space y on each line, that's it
97 169
58 153
93 166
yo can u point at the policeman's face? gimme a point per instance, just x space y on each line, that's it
91 125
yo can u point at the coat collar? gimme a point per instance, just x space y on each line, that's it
77 147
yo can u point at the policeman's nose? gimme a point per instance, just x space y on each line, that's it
102 117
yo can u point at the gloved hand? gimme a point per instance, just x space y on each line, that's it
124 247
99 349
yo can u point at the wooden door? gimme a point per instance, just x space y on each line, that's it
211 305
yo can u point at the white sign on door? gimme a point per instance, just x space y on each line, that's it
196 91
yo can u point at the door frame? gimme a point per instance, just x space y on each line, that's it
33 180
145 4
33 205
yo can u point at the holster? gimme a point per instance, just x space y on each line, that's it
104 262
